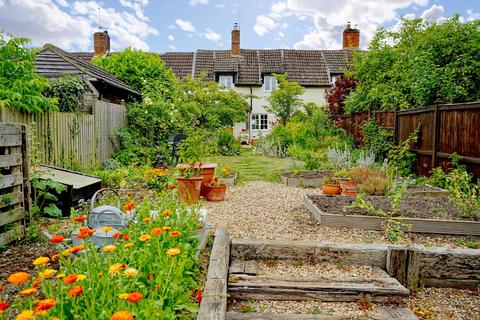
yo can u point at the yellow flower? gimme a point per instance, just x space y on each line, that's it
47 273
25 315
109 249
167 212
115 268
106 229
28 292
130 272
128 245
144 237
166 228
60 276
55 257
40 261
66 252
123 296
81 277
173 251
147 219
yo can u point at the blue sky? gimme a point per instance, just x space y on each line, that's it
186 25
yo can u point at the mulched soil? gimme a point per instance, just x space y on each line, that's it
306 174
410 207
19 258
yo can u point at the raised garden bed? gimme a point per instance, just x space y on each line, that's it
425 215
306 179
428 191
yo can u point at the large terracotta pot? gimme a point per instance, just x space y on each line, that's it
189 189
331 189
208 172
214 193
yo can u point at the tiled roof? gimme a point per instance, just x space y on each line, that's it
53 62
180 62
85 56
337 60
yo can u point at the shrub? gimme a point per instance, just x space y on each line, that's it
336 95
376 139
68 90
374 186
227 145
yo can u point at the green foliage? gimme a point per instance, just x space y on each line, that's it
43 191
420 62
20 86
284 101
376 139
198 144
400 158
227 144
68 90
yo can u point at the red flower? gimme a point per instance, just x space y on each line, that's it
129 206
75 291
199 296
3 306
2 287
174 233
79 219
126 237
85 232
117 235
45 304
57 239
134 296
71 278
171 187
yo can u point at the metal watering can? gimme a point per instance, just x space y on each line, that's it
103 216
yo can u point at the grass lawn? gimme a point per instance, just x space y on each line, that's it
251 167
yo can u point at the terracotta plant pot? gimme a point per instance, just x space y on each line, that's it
189 189
208 171
331 189
215 193
343 185
352 183
351 191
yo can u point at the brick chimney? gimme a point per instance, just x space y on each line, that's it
235 50
101 42
351 37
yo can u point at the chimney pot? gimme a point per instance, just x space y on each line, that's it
235 47
351 37
101 43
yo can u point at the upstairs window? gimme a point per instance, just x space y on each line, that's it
226 82
269 83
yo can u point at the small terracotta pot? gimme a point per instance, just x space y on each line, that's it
214 193
352 183
189 189
331 189
351 192
343 185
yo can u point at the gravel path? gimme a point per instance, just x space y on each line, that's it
263 210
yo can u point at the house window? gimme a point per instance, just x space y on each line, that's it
226 81
334 79
269 83
259 121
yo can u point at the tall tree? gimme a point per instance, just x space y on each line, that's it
285 99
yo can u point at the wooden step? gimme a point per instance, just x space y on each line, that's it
381 313
248 267
347 289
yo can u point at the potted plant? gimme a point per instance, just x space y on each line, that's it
331 186
227 176
215 190
190 183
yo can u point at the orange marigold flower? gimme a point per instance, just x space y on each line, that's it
116 267
109 249
55 257
128 245
130 272
18 278
126 237
85 232
45 304
47 273
71 278
147 219
122 315
77 249
40 261
106 229
156 231
173 251
75 291
36 282
123 296
166 228
171 187
28 292
129 206
144 237
174 233
3 306
167 212
57 239
117 235
79 219
26 315
134 296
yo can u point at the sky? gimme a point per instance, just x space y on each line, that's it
187 25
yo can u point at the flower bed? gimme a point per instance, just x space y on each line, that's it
309 179
149 272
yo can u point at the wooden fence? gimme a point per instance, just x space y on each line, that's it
14 184
445 129
73 140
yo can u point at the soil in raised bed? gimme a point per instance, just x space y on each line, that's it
306 174
410 207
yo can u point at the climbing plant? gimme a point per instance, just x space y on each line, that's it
68 90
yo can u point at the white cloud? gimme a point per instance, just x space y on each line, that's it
211 35
264 24
171 37
198 2
47 21
171 47
434 14
137 6
472 15
185 25
63 3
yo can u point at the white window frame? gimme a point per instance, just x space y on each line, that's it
334 79
226 81
270 83
259 122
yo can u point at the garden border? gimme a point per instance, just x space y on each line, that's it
375 223
301 182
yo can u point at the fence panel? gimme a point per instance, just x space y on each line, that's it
109 118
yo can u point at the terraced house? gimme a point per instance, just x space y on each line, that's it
250 71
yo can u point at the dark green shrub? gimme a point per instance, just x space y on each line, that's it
68 90
376 139
227 145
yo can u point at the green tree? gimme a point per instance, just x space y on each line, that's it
285 100
417 64
20 87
